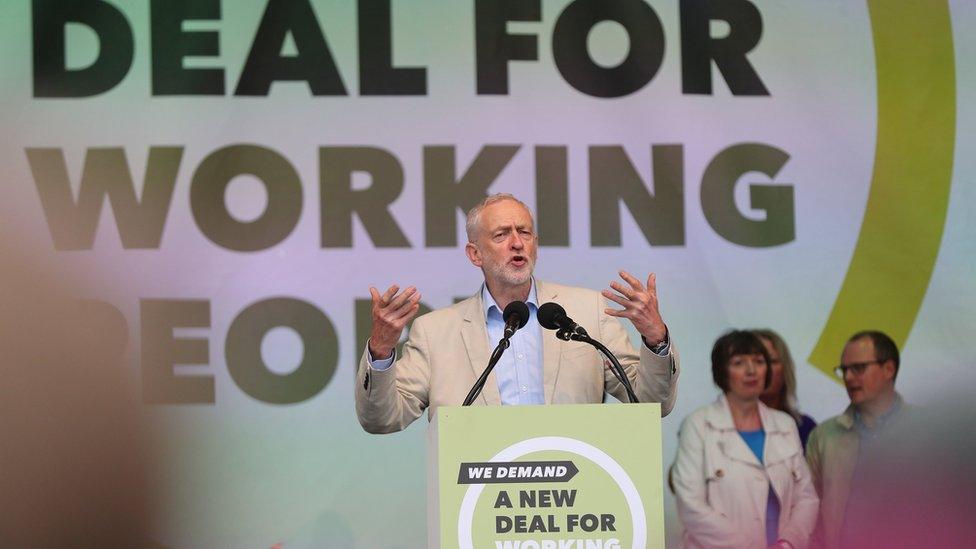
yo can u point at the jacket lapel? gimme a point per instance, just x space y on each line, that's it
777 432
731 443
551 348
474 333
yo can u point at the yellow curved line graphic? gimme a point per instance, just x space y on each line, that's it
906 209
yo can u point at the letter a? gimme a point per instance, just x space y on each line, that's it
503 500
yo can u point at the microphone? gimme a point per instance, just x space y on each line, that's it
552 316
515 316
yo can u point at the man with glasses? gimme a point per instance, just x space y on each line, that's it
836 449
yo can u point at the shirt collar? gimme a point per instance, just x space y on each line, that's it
858 419
489 302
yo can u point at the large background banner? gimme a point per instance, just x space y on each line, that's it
229 178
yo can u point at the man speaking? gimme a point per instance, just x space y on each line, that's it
448 349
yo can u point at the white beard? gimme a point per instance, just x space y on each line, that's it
508 275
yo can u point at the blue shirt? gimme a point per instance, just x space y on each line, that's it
756 440
867 435
519 370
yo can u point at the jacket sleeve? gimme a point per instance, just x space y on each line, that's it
390 400
706 526
815 461
654 378
805 504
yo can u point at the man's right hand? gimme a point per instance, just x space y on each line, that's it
391 312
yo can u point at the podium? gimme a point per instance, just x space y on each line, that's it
585 476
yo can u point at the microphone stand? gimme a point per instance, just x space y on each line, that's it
495 356
579 334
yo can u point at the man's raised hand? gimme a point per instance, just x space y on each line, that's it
391 312
640 306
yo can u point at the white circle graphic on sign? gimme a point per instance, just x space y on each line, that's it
539 444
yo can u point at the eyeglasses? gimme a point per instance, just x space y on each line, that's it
856 368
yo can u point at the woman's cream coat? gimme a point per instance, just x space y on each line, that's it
722 488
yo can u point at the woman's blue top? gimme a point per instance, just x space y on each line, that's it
756 440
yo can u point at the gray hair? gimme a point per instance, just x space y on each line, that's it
474 214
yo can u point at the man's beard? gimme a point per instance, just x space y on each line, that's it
508 275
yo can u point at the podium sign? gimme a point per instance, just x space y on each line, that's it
583 476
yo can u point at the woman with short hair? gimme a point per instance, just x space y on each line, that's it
739 477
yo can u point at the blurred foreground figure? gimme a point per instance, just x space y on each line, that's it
73 460
919 482
838 448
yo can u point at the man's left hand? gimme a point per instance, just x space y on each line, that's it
640 306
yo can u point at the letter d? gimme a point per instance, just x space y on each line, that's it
52 78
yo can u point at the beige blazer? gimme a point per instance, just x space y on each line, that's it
721 488
448 349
